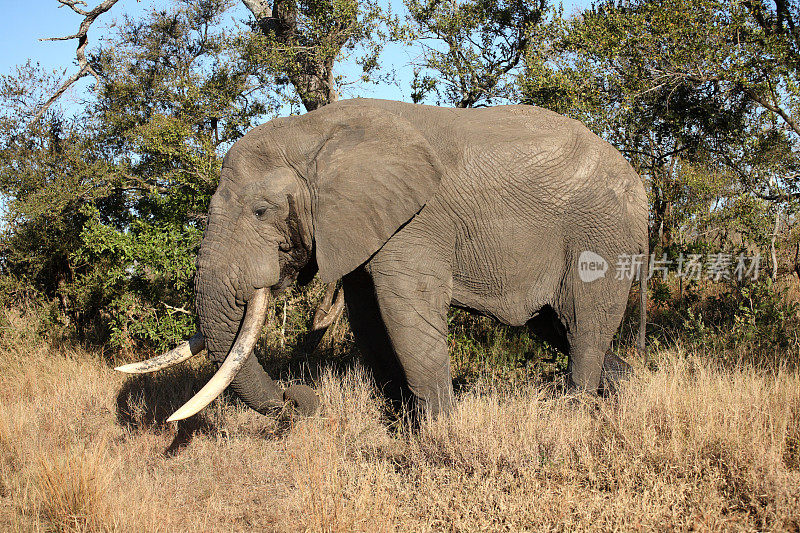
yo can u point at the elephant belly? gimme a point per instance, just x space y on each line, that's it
507 269
508 209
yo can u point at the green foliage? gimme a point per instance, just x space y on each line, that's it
766 318
105 211
695 328
299 45
480 348
478 45
756 322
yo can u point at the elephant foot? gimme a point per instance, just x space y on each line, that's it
615 372
302 398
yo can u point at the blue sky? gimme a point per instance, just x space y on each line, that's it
25 22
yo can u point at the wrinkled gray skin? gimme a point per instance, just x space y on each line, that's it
418 208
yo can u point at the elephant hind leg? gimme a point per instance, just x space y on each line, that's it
592 312
548 327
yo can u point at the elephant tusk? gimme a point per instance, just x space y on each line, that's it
242 348
181 353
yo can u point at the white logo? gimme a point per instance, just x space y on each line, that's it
591 266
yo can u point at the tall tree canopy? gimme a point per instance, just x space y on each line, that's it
470 48
699 95
300 43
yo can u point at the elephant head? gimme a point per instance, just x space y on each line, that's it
318 192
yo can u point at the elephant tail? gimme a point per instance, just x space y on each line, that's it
644 270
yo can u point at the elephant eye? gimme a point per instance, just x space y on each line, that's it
260 209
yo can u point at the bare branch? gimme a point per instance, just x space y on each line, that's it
84 68
757 98
61 90
72 4
67 38
778 197
182 310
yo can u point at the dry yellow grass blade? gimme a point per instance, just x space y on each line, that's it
687 446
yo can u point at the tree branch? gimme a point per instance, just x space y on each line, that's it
73 5
84 68
777 197
774 108
182 310
259 8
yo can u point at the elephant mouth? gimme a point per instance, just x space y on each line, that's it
249 331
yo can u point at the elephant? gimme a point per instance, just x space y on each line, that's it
513 212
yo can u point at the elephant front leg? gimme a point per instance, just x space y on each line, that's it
413 299
372 338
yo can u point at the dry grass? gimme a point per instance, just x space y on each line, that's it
686 446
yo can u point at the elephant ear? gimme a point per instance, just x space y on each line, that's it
373 174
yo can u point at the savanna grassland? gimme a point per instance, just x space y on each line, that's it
103 196
686 445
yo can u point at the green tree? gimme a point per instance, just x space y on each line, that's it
470 48
683 89
108 217
299 43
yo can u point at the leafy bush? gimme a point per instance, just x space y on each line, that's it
766 318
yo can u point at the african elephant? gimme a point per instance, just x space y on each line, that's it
416 208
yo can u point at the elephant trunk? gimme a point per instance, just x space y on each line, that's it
256 389
222 322
236 360
229 334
